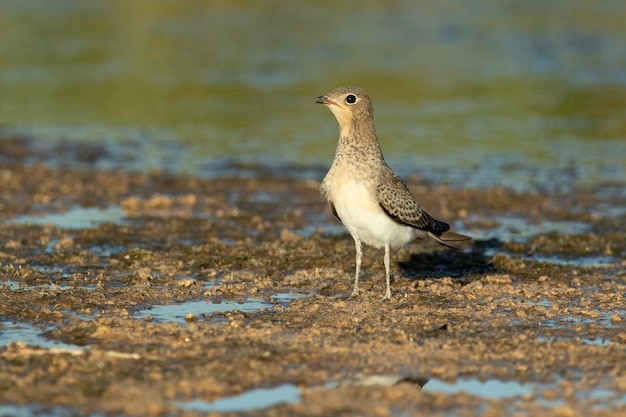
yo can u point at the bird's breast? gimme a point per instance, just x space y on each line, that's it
357 207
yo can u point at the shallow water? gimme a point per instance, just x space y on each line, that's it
75 218
39 411
493 388
519 229
177 313
256 399
498 389
602 318
476 94
13 332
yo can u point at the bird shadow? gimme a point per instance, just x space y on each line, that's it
463 267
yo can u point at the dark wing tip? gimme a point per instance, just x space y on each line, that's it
437 226
333 210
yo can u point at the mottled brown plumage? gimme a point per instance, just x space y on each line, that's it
365 194
396 200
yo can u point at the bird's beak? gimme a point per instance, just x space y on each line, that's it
323 100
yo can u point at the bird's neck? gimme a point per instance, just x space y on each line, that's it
359 142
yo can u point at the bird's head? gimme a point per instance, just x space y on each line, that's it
350 105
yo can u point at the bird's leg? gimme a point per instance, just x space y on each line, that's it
359 257
386 260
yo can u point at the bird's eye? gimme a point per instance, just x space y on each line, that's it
350 99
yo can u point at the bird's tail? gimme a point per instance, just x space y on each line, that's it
446 237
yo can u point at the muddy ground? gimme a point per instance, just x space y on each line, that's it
538 301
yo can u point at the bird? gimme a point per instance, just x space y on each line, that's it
365 194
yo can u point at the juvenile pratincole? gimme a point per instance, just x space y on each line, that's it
367 196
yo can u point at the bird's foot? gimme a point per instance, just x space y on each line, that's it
387 296
344 296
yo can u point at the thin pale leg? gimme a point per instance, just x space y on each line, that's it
387 274
359 257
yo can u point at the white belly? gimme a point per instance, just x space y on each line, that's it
365 220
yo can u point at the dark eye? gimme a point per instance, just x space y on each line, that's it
350 99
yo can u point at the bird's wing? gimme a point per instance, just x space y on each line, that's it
333 210
396 200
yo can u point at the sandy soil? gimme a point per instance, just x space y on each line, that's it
543 307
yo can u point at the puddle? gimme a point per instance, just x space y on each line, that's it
16 286
497 390
76 217
323 223
262 197
257 399
591 261
13 332
605 319
328 230
335 229
106 250
51 270
177 312
580 261
599 341
492 389
286 298
607 210
544 302
35 410
519 229
13 285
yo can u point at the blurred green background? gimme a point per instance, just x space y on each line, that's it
474 91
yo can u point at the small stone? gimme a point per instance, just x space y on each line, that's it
497 279
130 204
186 283
188 200
287 235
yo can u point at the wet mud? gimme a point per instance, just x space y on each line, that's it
254 272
